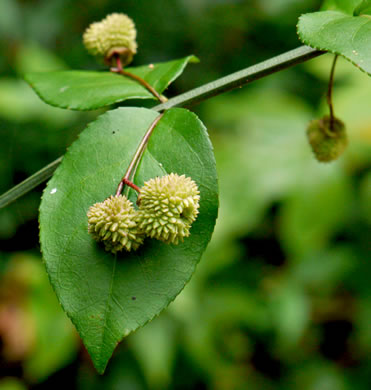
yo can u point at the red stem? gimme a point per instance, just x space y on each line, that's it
131 184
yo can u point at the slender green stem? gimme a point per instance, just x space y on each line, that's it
29 184
138 154
329 92
197 95
241 78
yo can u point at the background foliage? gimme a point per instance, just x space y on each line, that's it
281 299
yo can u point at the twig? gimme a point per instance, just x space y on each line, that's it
29 184
241 78
197 95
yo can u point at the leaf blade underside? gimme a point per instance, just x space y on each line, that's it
339 33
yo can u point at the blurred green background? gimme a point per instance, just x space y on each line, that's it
282 297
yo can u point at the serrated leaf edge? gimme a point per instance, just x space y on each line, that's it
306 42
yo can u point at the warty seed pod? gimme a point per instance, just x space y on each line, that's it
327 143
115 34
114 222
168 206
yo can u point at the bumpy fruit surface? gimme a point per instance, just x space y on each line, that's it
168 206
114 222
116 33
327 143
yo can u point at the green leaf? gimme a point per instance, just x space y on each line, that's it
364 8
106 297
88 90
346 6
338 33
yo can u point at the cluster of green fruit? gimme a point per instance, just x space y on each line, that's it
167 208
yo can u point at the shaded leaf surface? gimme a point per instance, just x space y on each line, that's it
108 297
88 90
364 8
346 6
339 33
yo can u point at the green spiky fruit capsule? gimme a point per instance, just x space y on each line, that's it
168 206
115 34
114 222
327 143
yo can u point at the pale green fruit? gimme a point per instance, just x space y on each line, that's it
327 144
114 222
116 33
168 206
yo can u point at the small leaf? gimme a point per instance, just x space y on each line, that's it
108 297
88 90
338 33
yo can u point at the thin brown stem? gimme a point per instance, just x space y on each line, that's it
137 156
329 93
131 184
120 69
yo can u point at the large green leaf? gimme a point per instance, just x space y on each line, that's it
88 90
340 33
108 297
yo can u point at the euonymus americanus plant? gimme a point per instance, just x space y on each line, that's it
131 208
